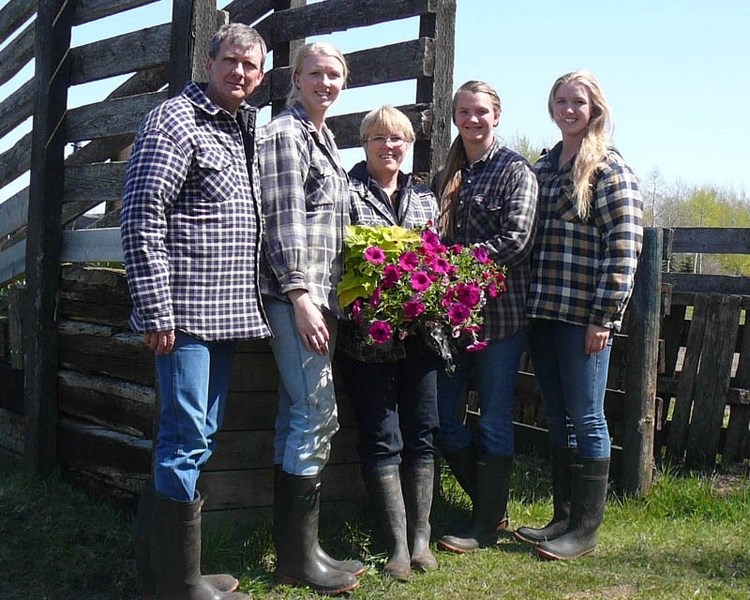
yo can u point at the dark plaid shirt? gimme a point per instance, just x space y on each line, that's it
416 206
584 271
306 208
190 221
497 208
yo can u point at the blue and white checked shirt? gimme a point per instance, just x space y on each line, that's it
305 203
497 208
583 272
190 221
371 206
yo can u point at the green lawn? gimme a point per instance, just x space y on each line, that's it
689 539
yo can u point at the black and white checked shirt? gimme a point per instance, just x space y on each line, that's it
305 203
583 272
497 208
190 221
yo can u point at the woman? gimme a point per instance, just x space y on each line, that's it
393 392
488 196
305 199
584 264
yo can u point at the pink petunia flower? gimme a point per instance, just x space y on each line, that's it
420 281
391 275
381 332
413 308
469 294
480 254
440 265
375 298
458 313
374 255
408 261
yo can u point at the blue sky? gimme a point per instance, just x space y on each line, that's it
675 73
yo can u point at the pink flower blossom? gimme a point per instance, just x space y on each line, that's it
480 254
413 308
375 298
391 275
458 313
380 331
440 265
420 281
356 308
492 291
408 261
431 243
469 294
374 255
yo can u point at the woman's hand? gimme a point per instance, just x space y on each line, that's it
596 339
311 324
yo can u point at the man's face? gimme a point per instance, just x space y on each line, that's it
233 75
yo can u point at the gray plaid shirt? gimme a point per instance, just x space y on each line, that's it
306 208
190 221
496 207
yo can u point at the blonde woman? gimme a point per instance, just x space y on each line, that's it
590 235
305 200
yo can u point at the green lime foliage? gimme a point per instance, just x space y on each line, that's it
687 539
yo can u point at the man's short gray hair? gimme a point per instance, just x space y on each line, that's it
237 34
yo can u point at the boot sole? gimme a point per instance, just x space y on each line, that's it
544 555
525 540
455 549
286 580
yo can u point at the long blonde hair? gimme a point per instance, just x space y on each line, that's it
596 138
451 177
310 49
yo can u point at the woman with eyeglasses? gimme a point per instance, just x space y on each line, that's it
393 392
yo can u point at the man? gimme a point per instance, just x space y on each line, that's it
191 231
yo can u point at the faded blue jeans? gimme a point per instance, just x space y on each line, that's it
572 385
307 417
194 384
494 371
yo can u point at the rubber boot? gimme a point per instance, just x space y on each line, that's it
563 460
586 512
142 550
176 553
296 515
492 488
354 567
463 467
384 486
417 483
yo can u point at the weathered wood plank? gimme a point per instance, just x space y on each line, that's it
121 54
643 353
13 212
738 432
707 284
688 299
257 373
120 116
95 183
241 11
91 10
193 24
95 295
14 14
12 263
92 245
712 384
16 160
17 53
112 403
11 388
346 127
17 107
711 240
672 332
11 431
678 429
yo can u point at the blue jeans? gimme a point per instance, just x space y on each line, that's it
494 371
307 417
572 385
194 383
395 404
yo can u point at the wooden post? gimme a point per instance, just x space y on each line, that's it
429 155
643 351
193 26
283 53
54 22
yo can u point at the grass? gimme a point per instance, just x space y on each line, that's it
690 538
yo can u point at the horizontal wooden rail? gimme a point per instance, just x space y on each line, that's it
711 240
15 161
91 10
95 183
346 127
17 53
14 14
110 117
706 284
17 107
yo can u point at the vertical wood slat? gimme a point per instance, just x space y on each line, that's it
284 53
643 355
193 25
713 382
678 427
43 246
739 418
429 155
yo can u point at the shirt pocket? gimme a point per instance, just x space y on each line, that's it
565 205
216 175
319 186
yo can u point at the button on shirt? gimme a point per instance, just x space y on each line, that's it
496 208
584 271
306 208
190 221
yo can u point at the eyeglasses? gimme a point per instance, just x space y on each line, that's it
394 140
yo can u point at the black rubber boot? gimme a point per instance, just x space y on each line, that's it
586 512
492 488
142 550
176 553
563 463
384 486
417 483
296 512
354 567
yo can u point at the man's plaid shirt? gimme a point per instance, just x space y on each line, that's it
190 221
496 208
306 208
583 272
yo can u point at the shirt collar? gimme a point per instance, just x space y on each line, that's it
195 93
